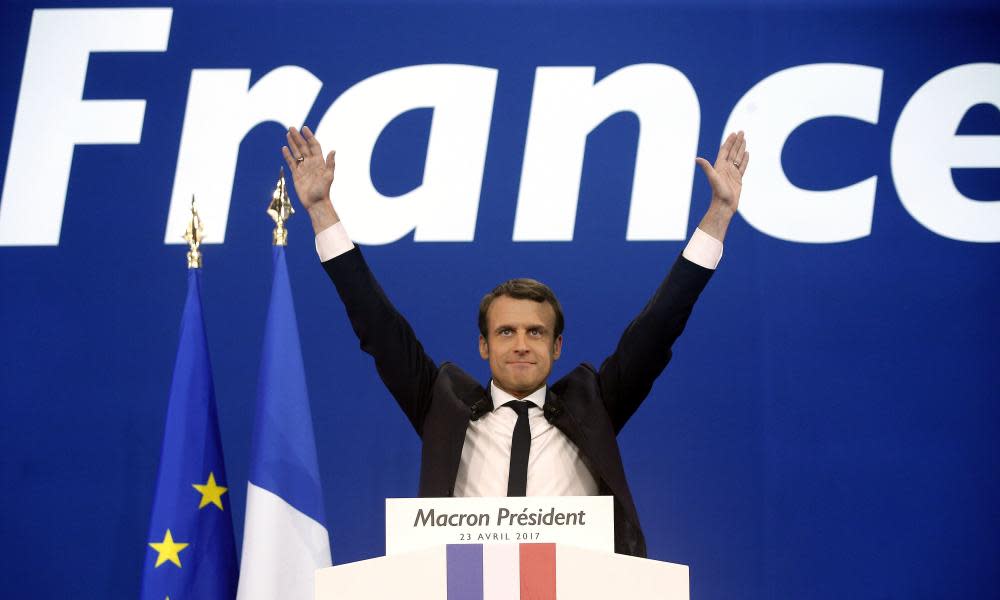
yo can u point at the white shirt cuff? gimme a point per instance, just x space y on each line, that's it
332 242
703 250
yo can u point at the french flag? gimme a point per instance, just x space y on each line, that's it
285 536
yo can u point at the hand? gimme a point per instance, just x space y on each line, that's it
726 177
311 174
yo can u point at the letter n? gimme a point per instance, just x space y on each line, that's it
566 106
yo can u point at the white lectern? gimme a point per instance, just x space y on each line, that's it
502 570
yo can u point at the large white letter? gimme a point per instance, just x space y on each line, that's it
221 109
925 149
444 206
52 117
566 106
768 113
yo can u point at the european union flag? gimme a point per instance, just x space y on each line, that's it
191 551
285 537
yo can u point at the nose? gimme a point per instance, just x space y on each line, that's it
521 343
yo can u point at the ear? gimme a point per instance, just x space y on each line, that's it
484 348
557 348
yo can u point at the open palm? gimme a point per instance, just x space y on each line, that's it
311 173
726 176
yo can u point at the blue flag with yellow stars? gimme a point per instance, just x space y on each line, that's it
190 549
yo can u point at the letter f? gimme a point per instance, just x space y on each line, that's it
52 116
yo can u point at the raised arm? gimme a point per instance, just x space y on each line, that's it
645 347
402 364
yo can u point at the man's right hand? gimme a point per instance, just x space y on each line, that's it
311 175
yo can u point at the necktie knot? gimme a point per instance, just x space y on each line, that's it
520 406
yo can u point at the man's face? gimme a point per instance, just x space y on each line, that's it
520 344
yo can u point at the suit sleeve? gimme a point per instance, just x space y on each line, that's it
645 347
407 371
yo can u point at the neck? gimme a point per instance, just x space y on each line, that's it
519 394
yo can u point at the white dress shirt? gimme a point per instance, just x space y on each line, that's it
555 465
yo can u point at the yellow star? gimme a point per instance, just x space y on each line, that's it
168 550
210 493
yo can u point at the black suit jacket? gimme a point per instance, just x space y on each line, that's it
590 406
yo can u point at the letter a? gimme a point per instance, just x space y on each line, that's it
444 207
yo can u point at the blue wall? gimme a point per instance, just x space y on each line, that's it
828 427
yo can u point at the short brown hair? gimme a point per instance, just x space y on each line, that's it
521 289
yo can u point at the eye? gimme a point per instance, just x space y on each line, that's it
505 331
535 332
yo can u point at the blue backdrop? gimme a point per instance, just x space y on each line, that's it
828 427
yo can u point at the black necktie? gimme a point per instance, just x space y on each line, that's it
517 483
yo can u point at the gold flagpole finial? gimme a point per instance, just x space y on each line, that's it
194 234
280 210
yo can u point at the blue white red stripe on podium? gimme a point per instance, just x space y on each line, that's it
501 572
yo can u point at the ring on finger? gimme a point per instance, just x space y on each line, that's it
736 164
300 159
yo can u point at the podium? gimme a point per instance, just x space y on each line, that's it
488 565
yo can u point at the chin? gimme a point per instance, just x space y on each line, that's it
528 388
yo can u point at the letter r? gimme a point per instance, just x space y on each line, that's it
52 116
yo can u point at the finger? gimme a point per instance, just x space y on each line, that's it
300 142
289 159
740 150
293 143
331 162
744 163
735 148
727 148
706 167
314 147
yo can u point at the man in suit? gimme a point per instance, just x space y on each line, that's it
520 436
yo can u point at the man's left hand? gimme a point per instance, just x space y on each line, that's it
726 176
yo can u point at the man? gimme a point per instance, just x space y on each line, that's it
520 436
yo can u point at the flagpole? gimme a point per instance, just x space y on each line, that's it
194 234
280 209
285 536
190 549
